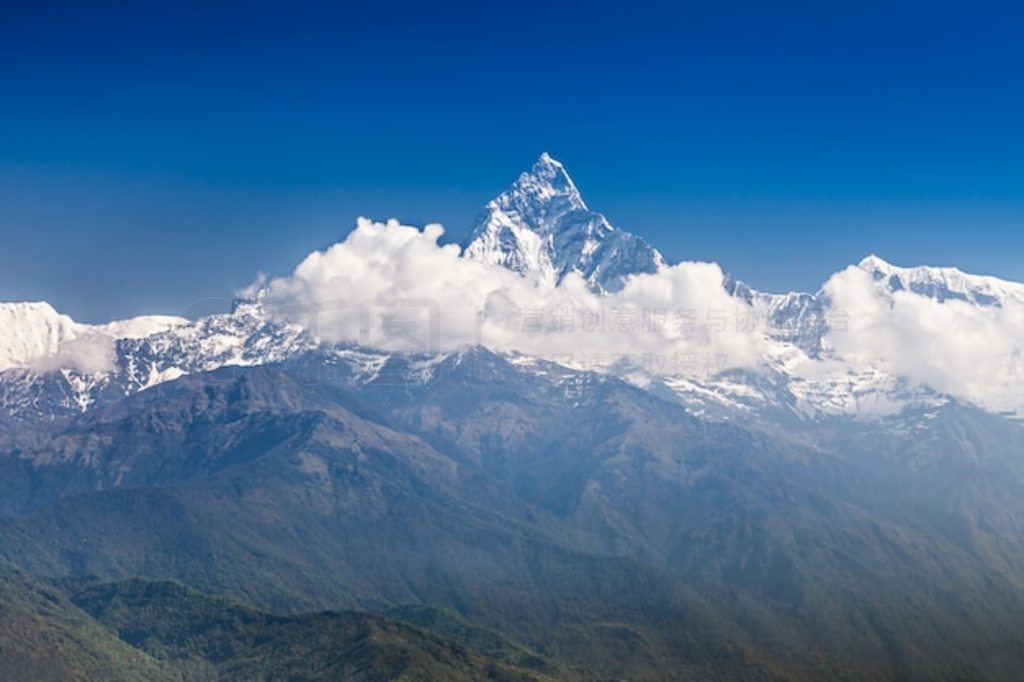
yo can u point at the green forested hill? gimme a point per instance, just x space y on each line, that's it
152 631
44 636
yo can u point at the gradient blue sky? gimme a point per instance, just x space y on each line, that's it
153 154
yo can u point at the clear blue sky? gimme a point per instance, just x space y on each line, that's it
156 153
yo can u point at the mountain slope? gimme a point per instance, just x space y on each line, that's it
538 513
326 509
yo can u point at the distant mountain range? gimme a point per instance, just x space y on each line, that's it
540 228
494 514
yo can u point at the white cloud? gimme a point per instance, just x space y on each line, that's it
89 352
968 351
381 285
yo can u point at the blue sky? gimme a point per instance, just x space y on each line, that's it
155 154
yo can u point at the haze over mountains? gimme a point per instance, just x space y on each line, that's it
564 456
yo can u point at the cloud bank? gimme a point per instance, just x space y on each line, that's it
389 285
394 287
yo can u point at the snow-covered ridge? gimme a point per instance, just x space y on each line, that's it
140 327
96 363
942 283
34 335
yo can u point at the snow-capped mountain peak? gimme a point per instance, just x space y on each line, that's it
541 196
542 228
31 330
